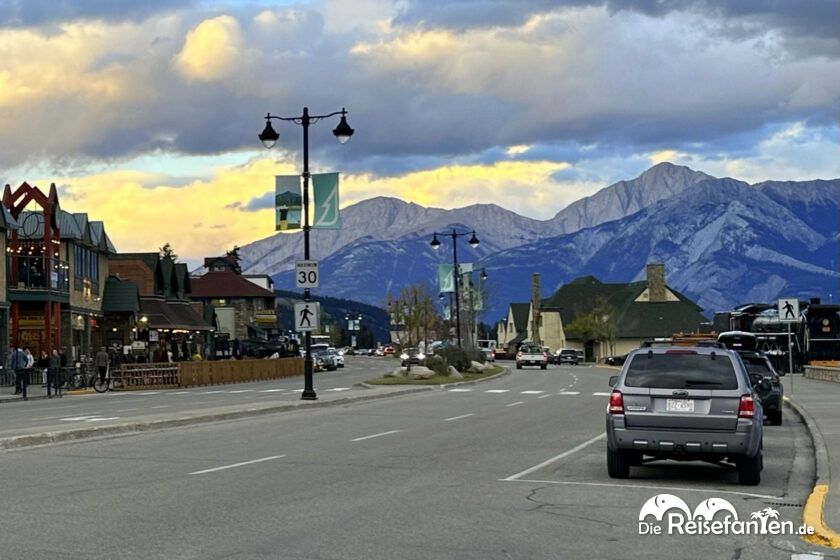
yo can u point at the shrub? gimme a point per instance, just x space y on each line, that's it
456 357
477 356
437 364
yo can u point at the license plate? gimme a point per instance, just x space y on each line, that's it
679 405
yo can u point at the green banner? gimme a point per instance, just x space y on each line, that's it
446 280
325 200
287 202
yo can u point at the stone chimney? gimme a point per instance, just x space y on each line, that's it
535 306
656 282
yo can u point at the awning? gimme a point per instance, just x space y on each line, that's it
172 314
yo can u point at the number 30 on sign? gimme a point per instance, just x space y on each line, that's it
306 274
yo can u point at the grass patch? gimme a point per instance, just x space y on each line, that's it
436 380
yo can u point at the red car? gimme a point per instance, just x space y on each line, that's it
389 350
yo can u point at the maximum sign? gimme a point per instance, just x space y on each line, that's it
306 274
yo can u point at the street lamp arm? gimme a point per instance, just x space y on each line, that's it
453 233
299 120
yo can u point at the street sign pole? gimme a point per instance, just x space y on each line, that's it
308 391
790 357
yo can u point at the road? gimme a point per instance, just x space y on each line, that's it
511 468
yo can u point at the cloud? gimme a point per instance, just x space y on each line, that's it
210 50
23 13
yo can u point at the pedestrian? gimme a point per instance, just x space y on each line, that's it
17 362
43 366
30 359
63 355
54 376
101 361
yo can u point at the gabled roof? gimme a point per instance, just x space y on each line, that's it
82 221
120 296
169 314
520 316
182 274
226 284
634 319
69 227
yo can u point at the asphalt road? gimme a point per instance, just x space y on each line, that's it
512 468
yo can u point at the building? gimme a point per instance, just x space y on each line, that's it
513 330
628 313
167 321
57 265
243 306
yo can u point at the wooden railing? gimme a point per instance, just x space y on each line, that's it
196 374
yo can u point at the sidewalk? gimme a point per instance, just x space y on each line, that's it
7 394
820 400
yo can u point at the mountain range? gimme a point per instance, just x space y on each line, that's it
723 242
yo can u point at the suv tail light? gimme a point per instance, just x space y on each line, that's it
746 408
616 403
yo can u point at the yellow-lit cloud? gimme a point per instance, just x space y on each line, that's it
141 212
211 49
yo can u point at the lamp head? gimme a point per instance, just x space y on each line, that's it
473 241
268 136
435 243
343 132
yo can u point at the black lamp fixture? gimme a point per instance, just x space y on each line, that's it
483 274
435 243
473 241
268 136
343 132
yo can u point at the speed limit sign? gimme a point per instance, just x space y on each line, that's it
306 274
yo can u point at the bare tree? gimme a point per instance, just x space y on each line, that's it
413 315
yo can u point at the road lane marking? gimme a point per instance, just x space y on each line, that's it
211 392
460 390
645 487
78 418
102 419
181 393
544 397
241 391
600 394
375 435
161 406
271 390
558 457
497 391
514 403
531 392
339 389
569 393
459 417
233 466
149 393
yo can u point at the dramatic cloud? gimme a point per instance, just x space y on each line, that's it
453 102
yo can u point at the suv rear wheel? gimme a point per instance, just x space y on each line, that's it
749 470
618 463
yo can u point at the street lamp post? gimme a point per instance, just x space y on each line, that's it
269 137
454 234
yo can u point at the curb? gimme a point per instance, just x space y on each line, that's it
505 371
813 512
29 440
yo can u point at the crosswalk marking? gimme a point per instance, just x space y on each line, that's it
568 393
497 391
460 390
600 394
531 392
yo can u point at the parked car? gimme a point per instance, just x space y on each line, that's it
686 403
771 393
566 356
531 355
379 351
412 356
389 351
581 356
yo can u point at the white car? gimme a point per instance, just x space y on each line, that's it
337 356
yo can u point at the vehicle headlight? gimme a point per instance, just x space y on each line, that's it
404 356
421 356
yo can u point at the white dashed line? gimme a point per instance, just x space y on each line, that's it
211 392
181 393
515 403
531 392
460 390
459 417
241 391
339 389
238 464
568 393
161 406
600 394
149 393
375 435
544 397
271 390
497 391
102 419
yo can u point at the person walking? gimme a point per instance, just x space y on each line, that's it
53 375
101 361
43 365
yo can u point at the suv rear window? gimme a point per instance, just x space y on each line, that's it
531 350
569 353
756 366
681 371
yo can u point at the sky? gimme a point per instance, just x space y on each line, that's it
146 114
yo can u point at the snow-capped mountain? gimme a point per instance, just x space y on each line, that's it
723 242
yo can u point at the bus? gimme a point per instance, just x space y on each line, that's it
321 339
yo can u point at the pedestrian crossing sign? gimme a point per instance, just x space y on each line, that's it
307 316
789 310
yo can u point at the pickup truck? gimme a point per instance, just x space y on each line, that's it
531 355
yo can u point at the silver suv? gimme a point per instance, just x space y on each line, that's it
684 403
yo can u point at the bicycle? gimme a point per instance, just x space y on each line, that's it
109 384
